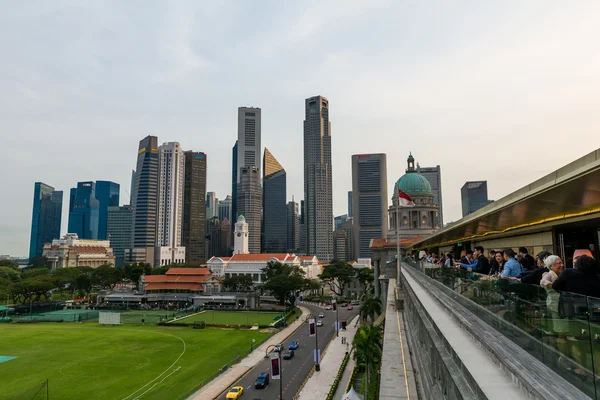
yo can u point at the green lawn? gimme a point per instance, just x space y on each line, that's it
233 318
87 361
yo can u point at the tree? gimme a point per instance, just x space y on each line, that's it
39 262
105 277
10 274
338 276
240 283
283 280
83 284
35 272
370 308
365 277
9 263
367 348
313 285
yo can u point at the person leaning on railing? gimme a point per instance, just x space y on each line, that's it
535 276
481 265
583 279
512 268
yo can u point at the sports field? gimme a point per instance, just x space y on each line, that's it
232 318
88 361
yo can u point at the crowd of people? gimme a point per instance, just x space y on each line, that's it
546 270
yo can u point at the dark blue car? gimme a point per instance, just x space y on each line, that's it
262 380
293 345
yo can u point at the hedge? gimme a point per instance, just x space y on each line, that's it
338 378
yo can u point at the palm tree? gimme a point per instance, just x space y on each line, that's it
370 308
367 349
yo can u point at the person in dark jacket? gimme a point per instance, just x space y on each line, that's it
527 262
534 276
467 258
481 264
583 279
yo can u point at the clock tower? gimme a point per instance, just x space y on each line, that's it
240 245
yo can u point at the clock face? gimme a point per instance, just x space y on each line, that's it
239 234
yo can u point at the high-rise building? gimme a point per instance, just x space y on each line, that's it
46 217
302 230
338 221
474 195
107 194
317 178
274 232
342 242
118 231
213 237
293 226
249 137
225 208
131 188
234 181
225 238
84 211
369 201
212 205
250 204
350 204
434 177
170 195
194 207
145 194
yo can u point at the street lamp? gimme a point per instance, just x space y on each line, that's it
252 345
267 352
317 358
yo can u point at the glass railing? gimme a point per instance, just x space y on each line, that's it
560 329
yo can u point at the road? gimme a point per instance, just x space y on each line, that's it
294 371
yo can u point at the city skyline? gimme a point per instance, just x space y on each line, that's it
462 84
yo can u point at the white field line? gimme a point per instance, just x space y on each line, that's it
185 316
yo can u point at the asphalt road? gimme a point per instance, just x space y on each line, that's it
294 371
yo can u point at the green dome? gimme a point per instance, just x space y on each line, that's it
241 218
414 183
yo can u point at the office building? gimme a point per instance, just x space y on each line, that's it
213 237
225 208
225 247
249 138
250 205
84 211
434 177
194 208
274 232
234 182
212 205
302 230
293 227
350 204
317 178
145 198
46 217
118 231
474 195
369 201
338 221
107 194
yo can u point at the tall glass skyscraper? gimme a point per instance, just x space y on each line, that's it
145 190
234 182
274 232
84 211
46 217
107 194
118 230
474 195
194 208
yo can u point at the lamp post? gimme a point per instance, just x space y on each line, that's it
252 345
337 327
267 352
308 318
285 307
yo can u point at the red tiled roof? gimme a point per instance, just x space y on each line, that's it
175 278
188 271
259 257
307 258
88 249
180 286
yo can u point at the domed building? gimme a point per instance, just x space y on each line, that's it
420 220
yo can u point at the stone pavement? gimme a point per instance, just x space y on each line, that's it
319 384
224 381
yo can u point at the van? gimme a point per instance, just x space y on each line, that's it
355 302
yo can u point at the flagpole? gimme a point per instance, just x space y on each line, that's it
398 264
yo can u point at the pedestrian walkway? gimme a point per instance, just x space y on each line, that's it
319 384
224 381
341 390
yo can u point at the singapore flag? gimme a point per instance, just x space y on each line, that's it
405 200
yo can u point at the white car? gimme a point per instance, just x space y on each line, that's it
321 315
328 307
319 323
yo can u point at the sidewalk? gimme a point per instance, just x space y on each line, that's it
341 390
224 381
319 384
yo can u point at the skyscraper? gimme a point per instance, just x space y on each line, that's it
212 205
194 208
274 220
434 177
293 226
250 205
225 208
338 221
107 194
474 196
249 137
369 201
234 181
46 217
213 237
317 178
302 230
170 195
350 204
225 237
84 211
118 231
145 194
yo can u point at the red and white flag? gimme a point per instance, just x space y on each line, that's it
404 199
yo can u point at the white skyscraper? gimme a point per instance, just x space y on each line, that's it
318 200
170 194
249 132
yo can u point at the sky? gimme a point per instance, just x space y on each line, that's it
503 91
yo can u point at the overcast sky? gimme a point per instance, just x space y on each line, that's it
505 91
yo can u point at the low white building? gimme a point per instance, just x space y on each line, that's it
70 251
